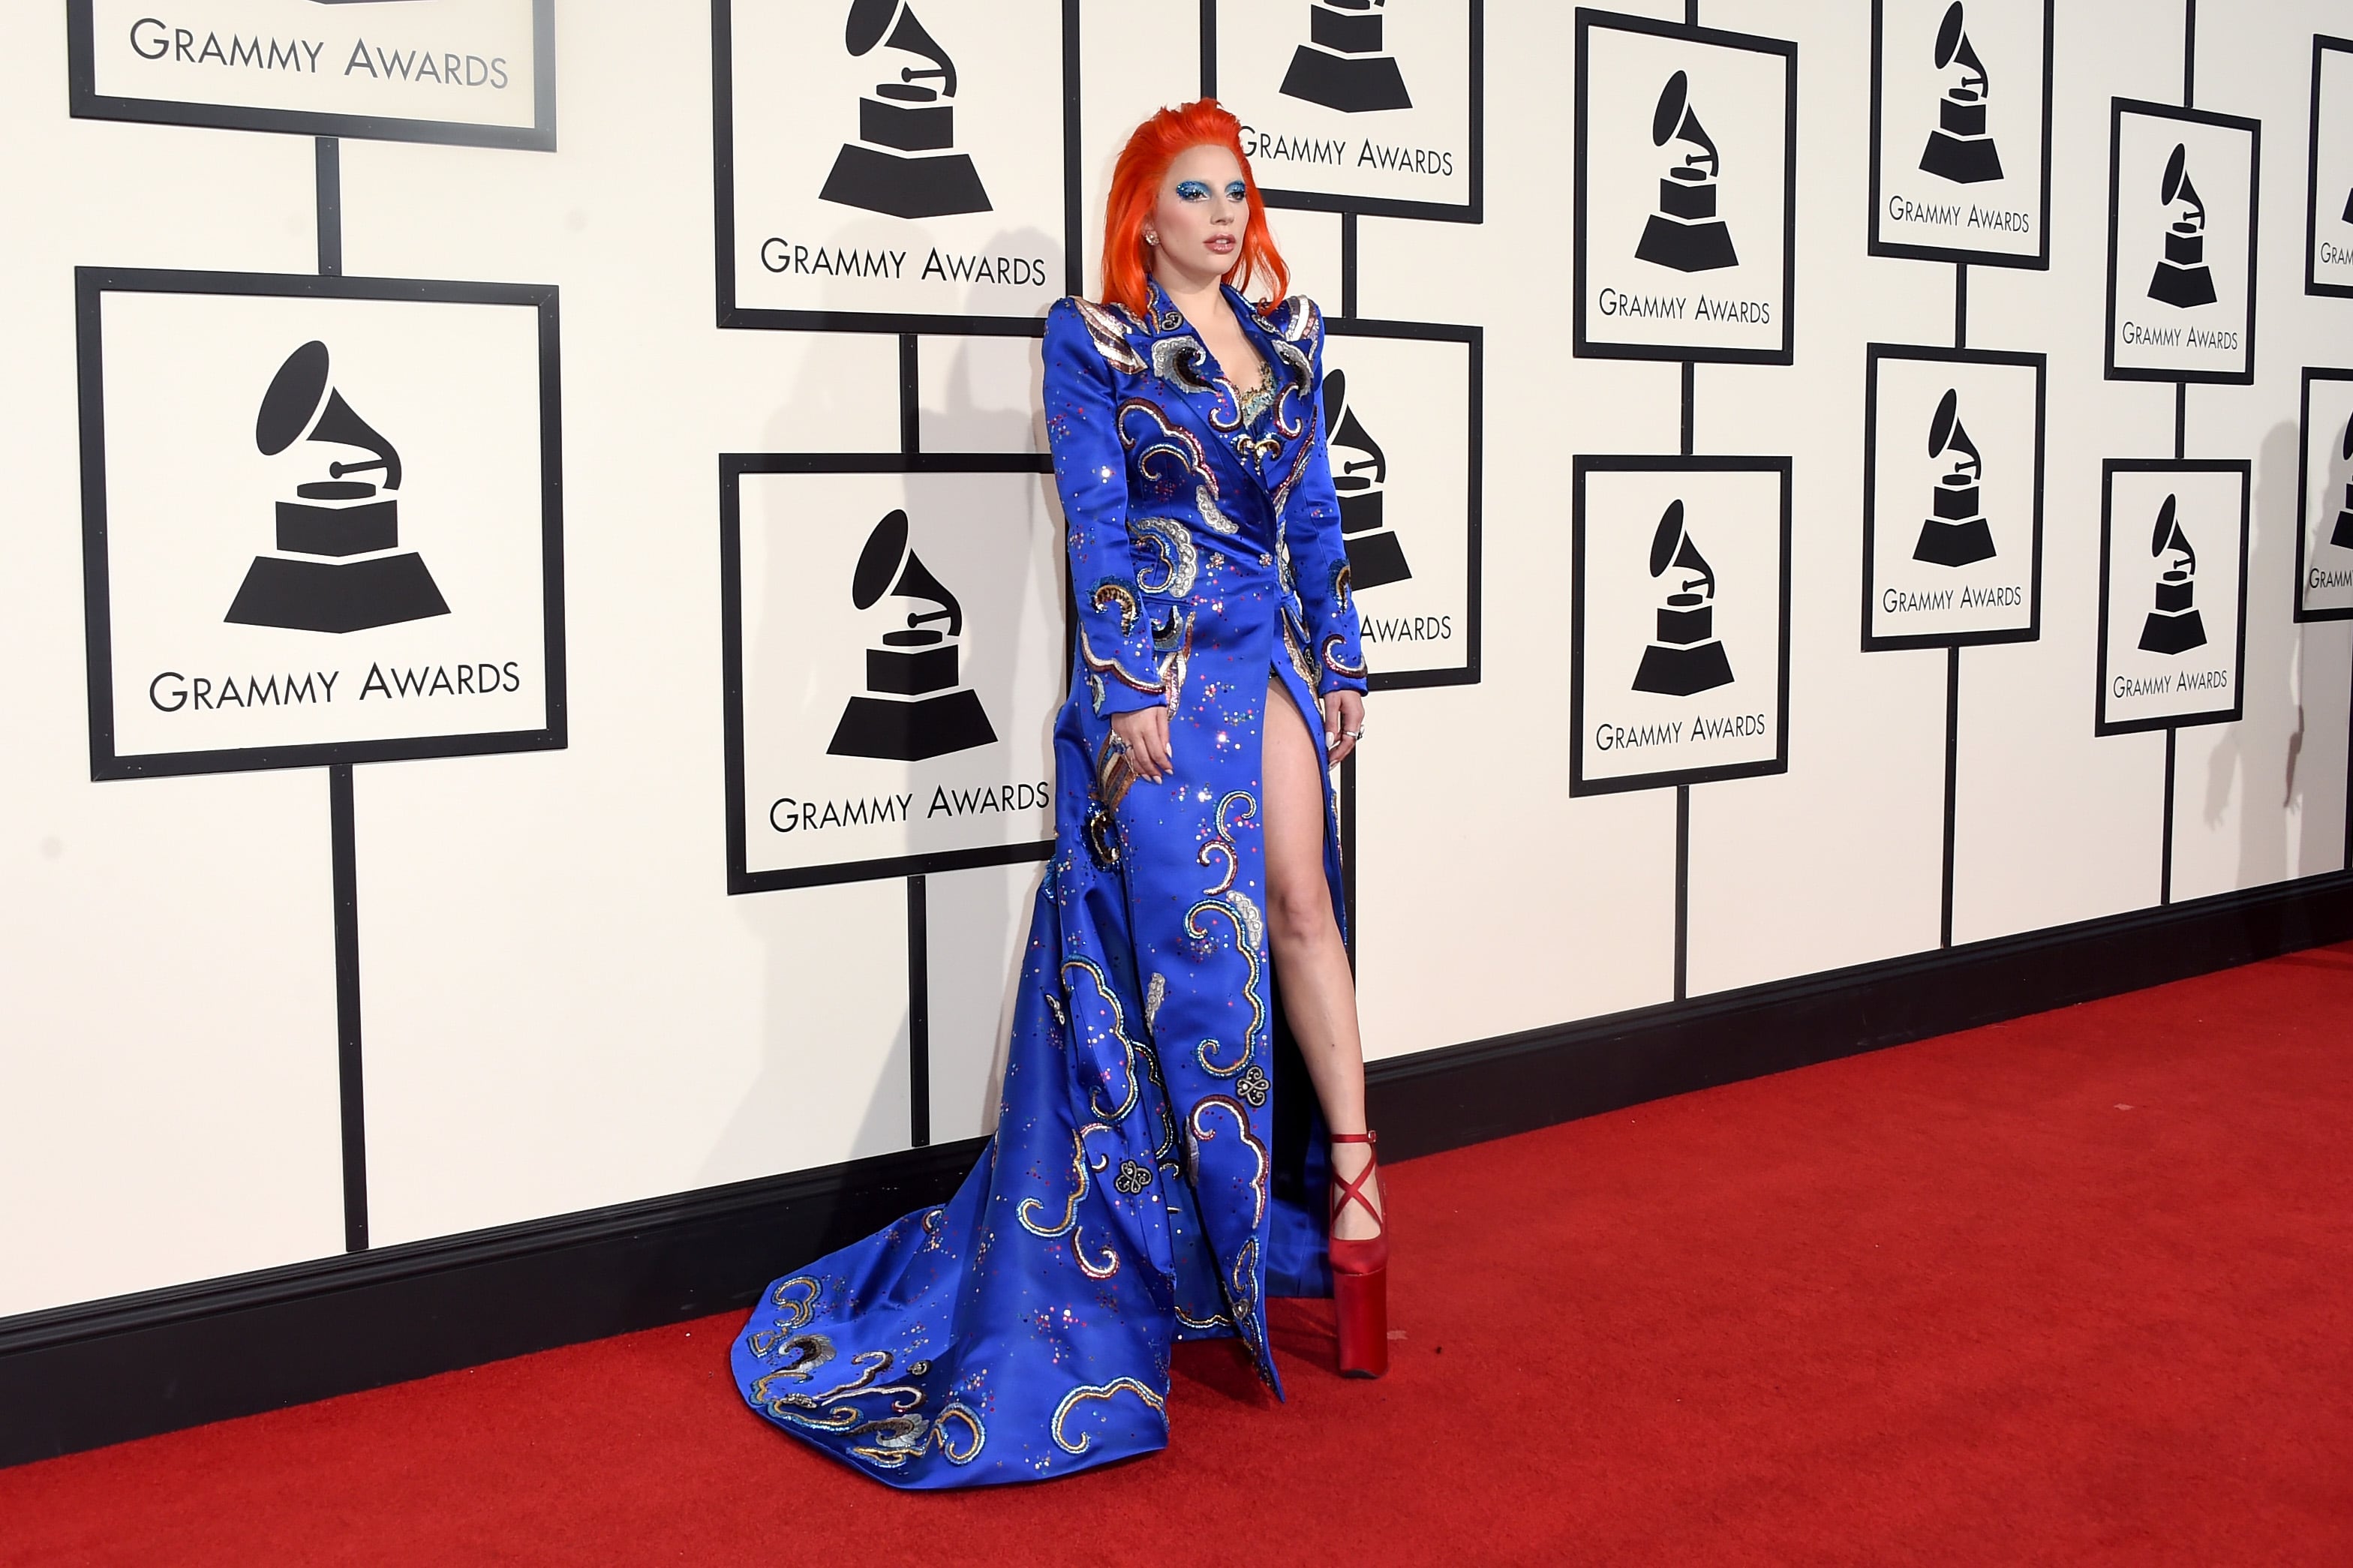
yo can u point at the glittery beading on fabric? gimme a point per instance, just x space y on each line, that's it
1140 1188
1109 326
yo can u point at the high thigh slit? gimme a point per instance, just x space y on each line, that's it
1157 1170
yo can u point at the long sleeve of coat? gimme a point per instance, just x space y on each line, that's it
1319 560
1091 474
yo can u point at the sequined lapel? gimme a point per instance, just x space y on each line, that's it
1179 358
1269 452
1290 433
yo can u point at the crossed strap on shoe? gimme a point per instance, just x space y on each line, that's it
1353 1191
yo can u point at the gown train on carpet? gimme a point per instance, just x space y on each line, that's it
1157 1170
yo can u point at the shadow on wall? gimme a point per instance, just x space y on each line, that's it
2269 799
971 419
791 1061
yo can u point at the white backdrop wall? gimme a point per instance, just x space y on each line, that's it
564 1008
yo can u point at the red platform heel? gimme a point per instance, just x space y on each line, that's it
1360 1274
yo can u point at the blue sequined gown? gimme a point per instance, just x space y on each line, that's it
1157 1171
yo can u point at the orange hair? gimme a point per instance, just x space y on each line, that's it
1135 191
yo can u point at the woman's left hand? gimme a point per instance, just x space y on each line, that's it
1344 721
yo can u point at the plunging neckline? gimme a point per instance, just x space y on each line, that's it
1252 404
1268 381
1267 386
1264 385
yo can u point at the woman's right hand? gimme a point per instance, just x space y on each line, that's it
1145 734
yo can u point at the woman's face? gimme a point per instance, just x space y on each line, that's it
1200 217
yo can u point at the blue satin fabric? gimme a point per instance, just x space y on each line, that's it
1157 1171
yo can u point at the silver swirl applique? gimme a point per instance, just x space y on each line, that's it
1174 646
1081 1178
1302 369
1083 1168
796 1297
894 1435
1244 1296
1181 361
1238 910
1116 1026
1169 454
1298 394
1291 645
1093 1391
1253 1088
1254 924
1235 805
1178 563
1204 500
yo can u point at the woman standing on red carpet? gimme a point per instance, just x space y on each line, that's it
1159 1168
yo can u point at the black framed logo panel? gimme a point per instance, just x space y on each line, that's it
1685 220
1401 414
2328 188
2182 210
1952 496
894 165
892 632
1353 107
2173 593
2324 499
1960 130
480 74
321 520
1679 621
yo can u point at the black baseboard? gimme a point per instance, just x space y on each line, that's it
1515 1083
104 1372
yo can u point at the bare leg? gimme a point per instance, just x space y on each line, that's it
1311 966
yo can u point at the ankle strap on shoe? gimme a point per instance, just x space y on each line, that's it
1345 1192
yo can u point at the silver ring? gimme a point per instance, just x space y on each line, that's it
1354 734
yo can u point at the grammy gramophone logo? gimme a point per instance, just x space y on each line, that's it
339 566
2181 278
1686 657
912 707
2173 627
1685 233
2342 535
1360 472
1343 65
904 162
1956 532
1960 149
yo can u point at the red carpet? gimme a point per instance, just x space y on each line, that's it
2069 1290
